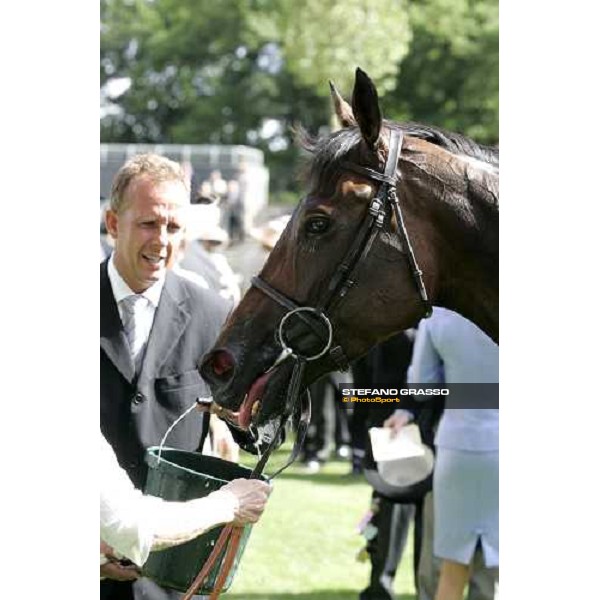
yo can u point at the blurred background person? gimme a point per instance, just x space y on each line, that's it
451 349
328 434
384 366
205 195
218 185
234 208
268 234
202 253
214 240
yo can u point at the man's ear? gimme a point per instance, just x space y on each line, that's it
111 220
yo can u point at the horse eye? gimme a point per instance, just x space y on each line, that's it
316 225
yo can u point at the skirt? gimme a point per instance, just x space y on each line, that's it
465 504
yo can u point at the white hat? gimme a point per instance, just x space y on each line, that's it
400 467
213 233
203 223
402 459
405 472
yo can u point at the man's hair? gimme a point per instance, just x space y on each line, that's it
151 166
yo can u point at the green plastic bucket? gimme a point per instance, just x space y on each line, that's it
182 475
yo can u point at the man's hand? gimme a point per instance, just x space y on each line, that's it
113 569
106 550
252 496
397 421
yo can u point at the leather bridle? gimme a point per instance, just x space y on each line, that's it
382 206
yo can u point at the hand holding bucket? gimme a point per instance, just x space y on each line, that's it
252 496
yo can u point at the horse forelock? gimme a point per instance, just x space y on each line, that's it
325 154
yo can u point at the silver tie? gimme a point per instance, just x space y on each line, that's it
134 337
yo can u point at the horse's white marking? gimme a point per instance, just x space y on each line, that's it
360 190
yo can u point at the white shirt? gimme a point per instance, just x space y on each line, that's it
134 524
144 310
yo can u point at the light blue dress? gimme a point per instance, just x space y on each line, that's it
451 349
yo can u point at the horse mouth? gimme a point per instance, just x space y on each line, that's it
263 401
251 405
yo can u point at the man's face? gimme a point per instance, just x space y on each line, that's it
148 230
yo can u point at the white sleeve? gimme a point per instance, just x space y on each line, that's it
134 524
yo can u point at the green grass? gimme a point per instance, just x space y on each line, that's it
305 546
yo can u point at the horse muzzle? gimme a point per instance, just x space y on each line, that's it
252 403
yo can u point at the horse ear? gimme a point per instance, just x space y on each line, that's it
365 106
342 109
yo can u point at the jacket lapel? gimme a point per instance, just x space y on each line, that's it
171 318
112 336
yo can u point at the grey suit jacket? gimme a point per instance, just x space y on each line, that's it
136 411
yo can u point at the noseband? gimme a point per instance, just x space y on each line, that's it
382 206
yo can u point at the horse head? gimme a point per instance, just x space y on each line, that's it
351 269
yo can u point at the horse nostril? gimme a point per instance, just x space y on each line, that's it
222 363
218 365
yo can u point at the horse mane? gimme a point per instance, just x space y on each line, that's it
326 151
453 142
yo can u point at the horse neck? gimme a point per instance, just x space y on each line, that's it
477 301
465 229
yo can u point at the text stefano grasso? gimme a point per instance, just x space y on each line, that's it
396 392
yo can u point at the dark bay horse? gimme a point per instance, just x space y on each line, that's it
398 217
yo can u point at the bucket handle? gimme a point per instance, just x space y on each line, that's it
180 418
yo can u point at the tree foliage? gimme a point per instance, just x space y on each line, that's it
319 38
243 71
450 76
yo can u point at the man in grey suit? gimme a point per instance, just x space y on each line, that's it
154 328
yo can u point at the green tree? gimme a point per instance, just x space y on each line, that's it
325 39
188 68
217 72
450 76
243 71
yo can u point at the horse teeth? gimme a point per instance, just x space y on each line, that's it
255 407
